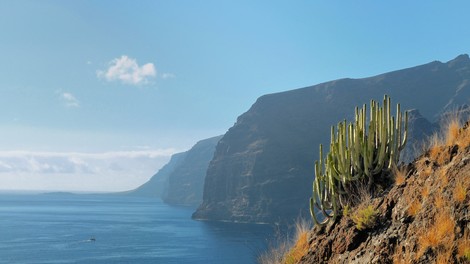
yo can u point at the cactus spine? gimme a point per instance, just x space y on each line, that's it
358 153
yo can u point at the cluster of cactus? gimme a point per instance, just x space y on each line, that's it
358 154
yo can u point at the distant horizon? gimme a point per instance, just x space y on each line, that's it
99 95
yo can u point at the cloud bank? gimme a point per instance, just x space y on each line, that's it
127 71
75 171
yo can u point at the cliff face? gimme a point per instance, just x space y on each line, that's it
181 180
423 218
262 169
157 186
186 181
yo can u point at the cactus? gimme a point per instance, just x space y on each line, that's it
358 153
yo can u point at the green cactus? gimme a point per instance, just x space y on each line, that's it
358 153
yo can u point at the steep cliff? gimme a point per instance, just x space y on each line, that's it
186 181
157 186
181 180
262 169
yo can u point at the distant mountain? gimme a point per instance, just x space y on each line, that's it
157 186
181 180
186 181
262 170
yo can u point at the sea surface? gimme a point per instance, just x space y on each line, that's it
64 228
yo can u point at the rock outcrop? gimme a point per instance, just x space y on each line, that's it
262 169
422 218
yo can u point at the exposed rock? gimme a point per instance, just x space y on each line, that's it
262 170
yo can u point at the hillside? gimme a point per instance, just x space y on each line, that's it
263 166
422 218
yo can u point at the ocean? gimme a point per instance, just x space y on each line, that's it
66 228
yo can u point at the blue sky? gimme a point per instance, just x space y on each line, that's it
86 86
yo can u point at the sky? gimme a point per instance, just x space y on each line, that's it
97 95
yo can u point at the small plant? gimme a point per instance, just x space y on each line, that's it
460 191
365 218
453 129
414 208
425 192
300 247
463 248
399 175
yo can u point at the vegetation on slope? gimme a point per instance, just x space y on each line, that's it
423 217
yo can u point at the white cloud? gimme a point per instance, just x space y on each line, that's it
70 100
168 76
127 71
104 171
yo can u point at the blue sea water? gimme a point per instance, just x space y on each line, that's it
59 228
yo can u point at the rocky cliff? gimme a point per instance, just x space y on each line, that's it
157 186
262 169
181 180
186 181
422 218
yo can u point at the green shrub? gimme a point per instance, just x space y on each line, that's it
365 218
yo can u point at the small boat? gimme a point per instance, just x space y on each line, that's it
92 239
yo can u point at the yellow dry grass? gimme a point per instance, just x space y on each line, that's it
460 191
399 174
301 245
452 131
414 208
435 144
425 192
463 247
440 233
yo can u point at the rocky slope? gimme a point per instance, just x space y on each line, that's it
423 218
262 169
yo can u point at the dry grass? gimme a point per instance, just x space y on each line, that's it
442 174
435 145
464 138
443 157
289 252
452 130
399 174
425 192
444 256
463 247
441 233
460 191
439 201
401 256
414 208
301 245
